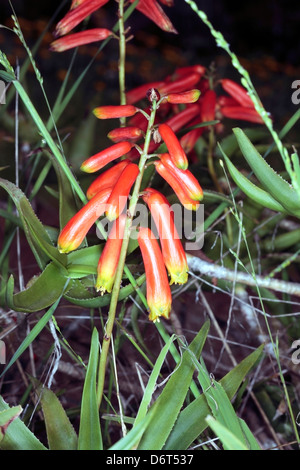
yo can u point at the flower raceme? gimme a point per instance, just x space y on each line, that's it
171 246
74 232
108 261
159 296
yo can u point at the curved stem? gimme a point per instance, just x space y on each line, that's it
117 284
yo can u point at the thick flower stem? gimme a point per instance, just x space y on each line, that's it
119 273
122 58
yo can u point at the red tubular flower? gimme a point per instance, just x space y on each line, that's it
237 92
159 295
177 186
99 160
227 101
120 192
171 246
184 177
155 13
108 261
240 112
76 3
184 117
168 3
185 97
208 106
186 82
111 112
74 232
187 70
107 179
176 151
76 15
78 39
130 133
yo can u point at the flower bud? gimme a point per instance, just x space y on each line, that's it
109 259
74 232
121 190
79 39
242 113
76 15
185 97
107 179
175 150
237 92
99 160
130 133
113 112
208 106
171 246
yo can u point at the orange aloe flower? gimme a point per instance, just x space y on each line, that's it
107 179
184 177
130 133
109 259
176 185
120 192
186 82
118 111
79 39
175 150
76 15
171 246
158 293
74 232
99 160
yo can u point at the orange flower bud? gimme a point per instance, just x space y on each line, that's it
155 13
99 160
171 246
176 151
158 293
112 112
208 106
184 177
130 133
109 259
74 232
185 97
107 179
76 15
78 39
237 92
176 185
121 190
240 112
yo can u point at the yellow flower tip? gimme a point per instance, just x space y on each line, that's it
67 248
179 277
104 285
86 168
156 312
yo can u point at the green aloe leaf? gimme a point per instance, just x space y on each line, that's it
251 190
229 439
280 189
60 432
7 417
42 292
191 421
36 234
165 410
17 436
90 437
